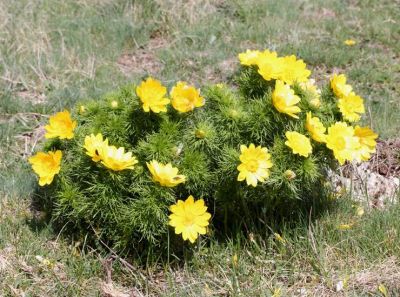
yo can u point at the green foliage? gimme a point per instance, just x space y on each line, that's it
128 210
67 34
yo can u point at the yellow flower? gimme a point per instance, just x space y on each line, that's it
383 290
312 88
315 128
339 86
46 165
341 140
185 98
294 70
344 227
250 57
351 107
284 99
287 69
277 292
269 65
60 125
166 175
95 145
50 264
152 94
349 42
279 238
360 211
299 143
255 162
189 218
367 139
116 159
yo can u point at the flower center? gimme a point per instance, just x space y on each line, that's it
252 165
49 164
340 143
65 124
188 221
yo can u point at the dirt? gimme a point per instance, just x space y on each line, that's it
144 59
220 72
386 160
32 96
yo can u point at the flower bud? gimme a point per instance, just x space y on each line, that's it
200 133
315 102
233 113
114 104
235 260
279 238
289 174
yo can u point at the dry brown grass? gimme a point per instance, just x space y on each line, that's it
188 11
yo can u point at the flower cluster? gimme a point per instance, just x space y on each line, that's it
47 165
350 104
346 142
152 93
189 218
150 149
110 156
271 67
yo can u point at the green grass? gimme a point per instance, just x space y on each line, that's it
53 54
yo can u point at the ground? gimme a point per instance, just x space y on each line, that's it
56 53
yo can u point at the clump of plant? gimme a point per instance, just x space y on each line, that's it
129 167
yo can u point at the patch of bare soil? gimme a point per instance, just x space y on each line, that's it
320 14
220 72
23 144
386 161
27 141
144 59
32 96
376 181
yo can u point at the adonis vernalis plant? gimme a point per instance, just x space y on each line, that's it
133 161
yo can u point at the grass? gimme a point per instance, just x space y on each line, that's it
53 54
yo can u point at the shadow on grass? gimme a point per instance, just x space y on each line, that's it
244 221
274 214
